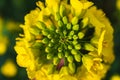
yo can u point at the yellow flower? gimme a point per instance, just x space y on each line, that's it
115 77
92 64
118 4
9 69
65 40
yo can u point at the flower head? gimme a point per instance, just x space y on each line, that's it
65 40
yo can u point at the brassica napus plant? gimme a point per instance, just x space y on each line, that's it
65 39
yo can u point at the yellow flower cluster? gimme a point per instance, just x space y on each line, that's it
9 69
65 40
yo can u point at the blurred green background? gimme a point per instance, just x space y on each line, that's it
12 13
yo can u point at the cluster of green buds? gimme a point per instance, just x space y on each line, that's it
68 41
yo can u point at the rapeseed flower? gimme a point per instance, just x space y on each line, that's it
65 39
9 68
118 4
115 77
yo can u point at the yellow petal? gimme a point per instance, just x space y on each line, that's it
77 6
94 20
53 5
40 5
100 42
87 5
87 61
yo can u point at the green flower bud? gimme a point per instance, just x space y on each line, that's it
41 25
68 26
57 30
81 35
75 27
77 46
70 37
57 16
85 22
70 47
65 21
75 37
37 45
60 54
67 53
50 44
77 57
49 36
75 20
34 30
70 59
71 33
62 10
49 56
74 42
60 49
60 23
74 51
56 60
72 67
89 47
45 32
52 27
45 40
48 49
53 40
64 32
